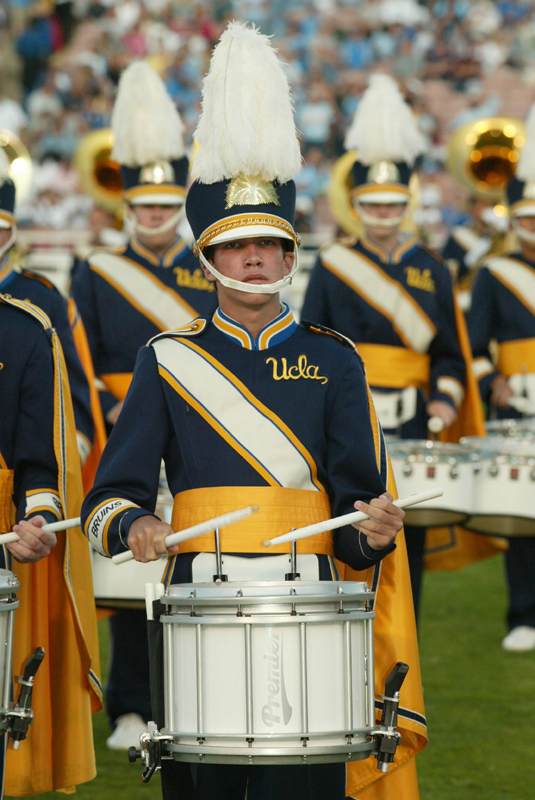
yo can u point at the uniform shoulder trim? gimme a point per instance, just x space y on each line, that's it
434 255
345 241
193 328
41 278
315 327
29 308
115 251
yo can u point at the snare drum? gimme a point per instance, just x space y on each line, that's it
504 496
420 464
269 672
9 585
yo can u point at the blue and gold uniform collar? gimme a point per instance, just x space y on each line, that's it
407 243
168 258
7 273
277 331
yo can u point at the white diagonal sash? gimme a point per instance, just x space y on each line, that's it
465 237
384 294
517 277
143 290
239 418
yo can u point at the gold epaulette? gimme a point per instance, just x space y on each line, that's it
315 327
193 328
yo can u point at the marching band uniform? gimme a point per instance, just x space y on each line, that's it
40 474
397 306
126 296
283 421
25 285
503 309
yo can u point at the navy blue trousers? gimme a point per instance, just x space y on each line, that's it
520 573
128 689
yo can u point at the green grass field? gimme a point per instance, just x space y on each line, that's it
480 701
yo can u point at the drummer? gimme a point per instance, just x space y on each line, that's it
35 405
386 292
247 406
503 309
127 295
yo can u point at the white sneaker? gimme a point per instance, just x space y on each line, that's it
520 639
128 729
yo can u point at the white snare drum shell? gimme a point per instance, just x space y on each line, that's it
208 684
419 465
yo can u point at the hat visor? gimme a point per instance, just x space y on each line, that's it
525 208
248 232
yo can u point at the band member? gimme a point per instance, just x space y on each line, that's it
126 296
503 310
25 285
389 295
246 407
40 482
469 244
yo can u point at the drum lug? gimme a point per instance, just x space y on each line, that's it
454 472
407 469
387 736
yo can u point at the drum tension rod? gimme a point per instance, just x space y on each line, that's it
293 575
387 736
218 577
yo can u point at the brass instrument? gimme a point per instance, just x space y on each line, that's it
20 160
340 203
99 174
483 156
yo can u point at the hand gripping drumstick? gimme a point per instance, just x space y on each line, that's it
196 530
348 519
51 527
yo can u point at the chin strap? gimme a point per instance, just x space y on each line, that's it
252 288
523 234
10 242
379 222
133 226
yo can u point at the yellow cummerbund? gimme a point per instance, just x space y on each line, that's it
280 510
516 357
117 383
6 500
394 367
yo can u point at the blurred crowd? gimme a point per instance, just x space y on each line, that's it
457 61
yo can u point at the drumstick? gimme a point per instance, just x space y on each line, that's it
435 424
348 519
51 527
196 530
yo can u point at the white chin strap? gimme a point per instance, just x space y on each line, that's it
523 234
379 222
252 288
134 226
10 242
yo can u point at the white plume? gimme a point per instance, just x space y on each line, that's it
525 170
4 166
247 123
384 127
145 123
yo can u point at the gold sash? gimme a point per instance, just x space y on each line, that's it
280 510
394 367
516 357
6 500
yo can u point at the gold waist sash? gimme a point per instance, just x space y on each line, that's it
6 500
394 367
516 357
117 383
280 510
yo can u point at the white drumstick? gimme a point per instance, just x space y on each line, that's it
349 519
51 527
196 530
435 424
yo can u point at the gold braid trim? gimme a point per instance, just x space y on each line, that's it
242 221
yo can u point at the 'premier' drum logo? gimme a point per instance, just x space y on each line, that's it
277 698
